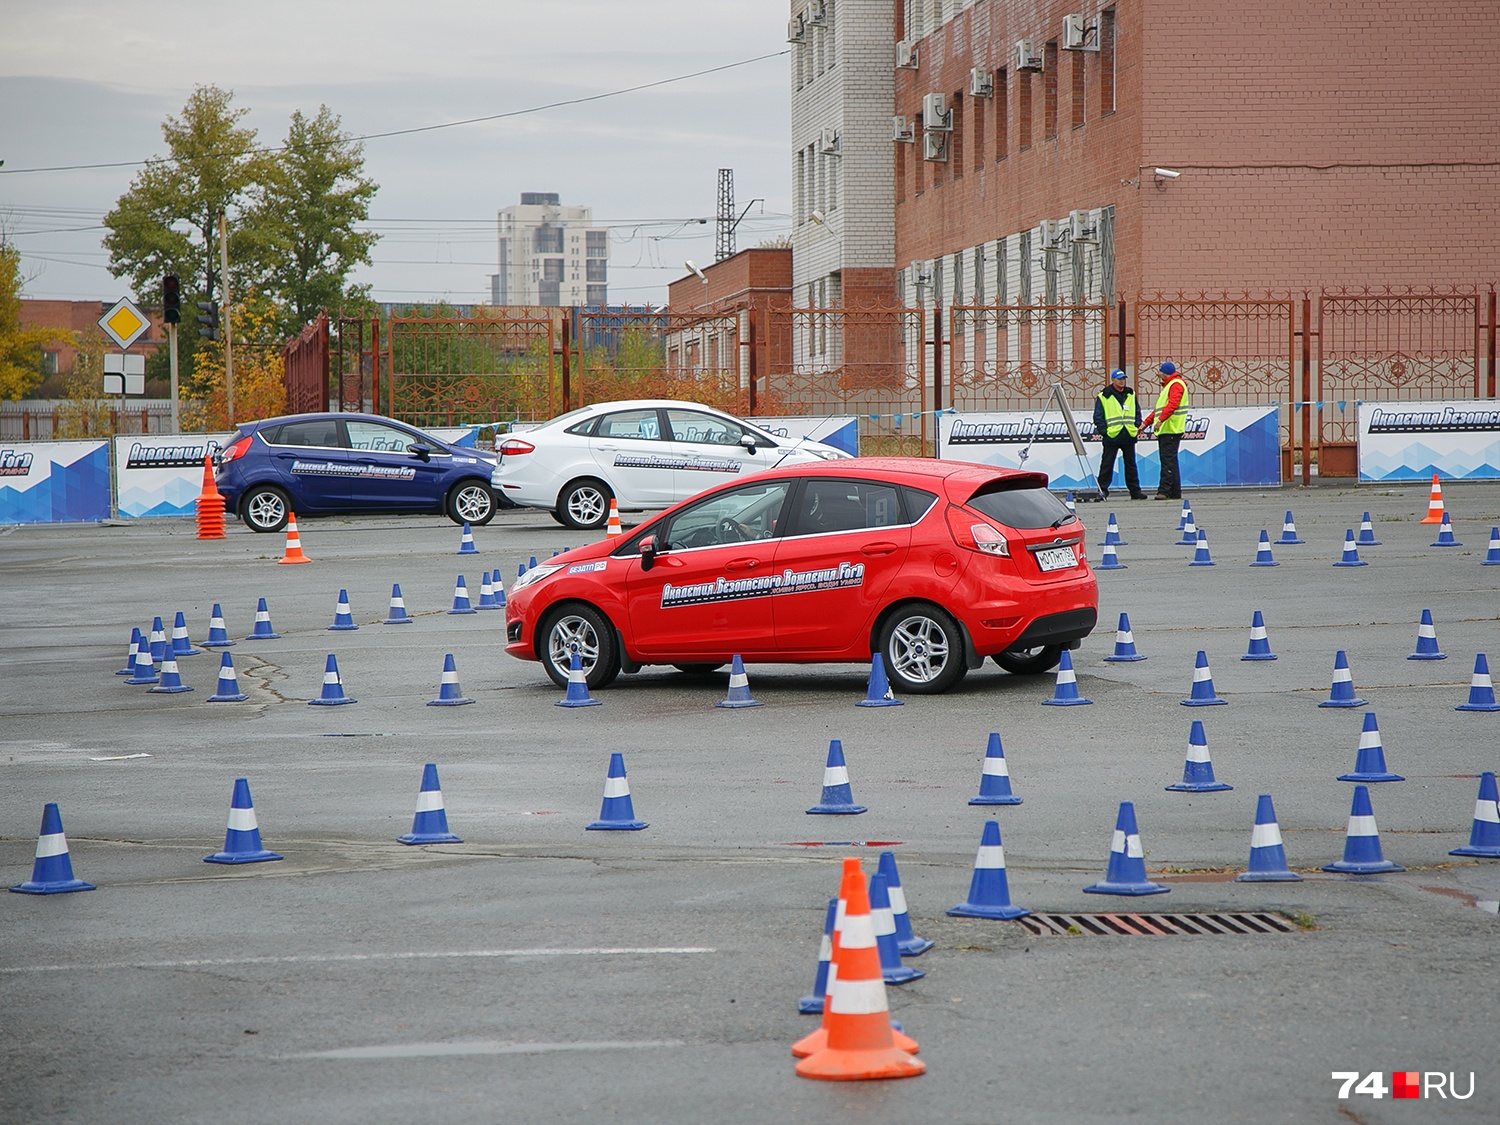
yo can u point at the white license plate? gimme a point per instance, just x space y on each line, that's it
1056 558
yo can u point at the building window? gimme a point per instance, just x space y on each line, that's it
979 274
1106 62
549 293
1023 264
547 240
598 243
956 137
1049 91
901 148
918 165
598 294
552 269
978 133
1002 281
1079 100
1024 111
1002 108
597 270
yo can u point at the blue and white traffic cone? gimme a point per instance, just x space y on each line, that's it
1289 531
1341 691
1369 762
1367 533
158 640
1445 534
994 780
449 694
906 941
1126 873
891 968
1481 688
838 797
342 618
1267 856
812 1004
228 690
1189 532
577 694
617 814
218 636
181 646
1198 769
430 825
171 681
739 686
1263 555
466 542
1350 556
1484 836
499 590
145 671
1110 560
486 592
878 691
989 889
1068 501
1492 556
1184 516
333 687
1362 854
1202 692
242 838
1112 534
135 643
262 630
1065 694
1260 643
461 598
52 869
1427 645
397 614
1124 644
1201 556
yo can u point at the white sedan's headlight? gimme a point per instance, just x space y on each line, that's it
534 575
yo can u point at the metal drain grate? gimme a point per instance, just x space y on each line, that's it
1158 925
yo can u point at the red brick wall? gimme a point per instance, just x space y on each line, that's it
759 277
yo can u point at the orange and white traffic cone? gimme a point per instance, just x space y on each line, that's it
210 505
1434 503
861 1043
612 529
293 543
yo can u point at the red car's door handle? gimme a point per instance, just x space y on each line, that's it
742 564
878 548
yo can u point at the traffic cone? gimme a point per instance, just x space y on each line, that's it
449 694
1427 645
860 1042
1369 763
812 1003
135 643
486 592
466 541
994 780
1435 510
1189 532
1351 552
1126 873
838 798
218 637
1260 644
333 687
171 681
293 544
158 640
430 825
210 505
1484 836
397 615
262 630
1263 551
1124 644
1200 556
892 971
1367 533
1202 693
181 646
228 690
739 686
613 528
1445 535
906 941
342 619
578 686
1481 688
521 569
52 869
1185 515
1198 769
531 565
989 890
1110 560
499 590
460 598
1267 856
617 814
1065 694
1289 531
1068 501
878 691
242 838
1341 692
145 671
1492 556
1362 855
1112 534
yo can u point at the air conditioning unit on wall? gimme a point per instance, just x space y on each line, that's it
1081 227
1078 35
795 29
935 114
906 55
901 129
935 147
816 13
981 83
828 142
1026 58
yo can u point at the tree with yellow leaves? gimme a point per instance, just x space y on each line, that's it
21 349
259 370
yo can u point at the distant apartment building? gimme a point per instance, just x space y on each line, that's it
550 254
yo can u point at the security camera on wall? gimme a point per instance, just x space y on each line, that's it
1167 173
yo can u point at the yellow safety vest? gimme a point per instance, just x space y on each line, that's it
1177 423
1119 417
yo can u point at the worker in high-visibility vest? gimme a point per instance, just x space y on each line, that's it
1170 420
1117 421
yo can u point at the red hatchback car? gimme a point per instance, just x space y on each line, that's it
933 564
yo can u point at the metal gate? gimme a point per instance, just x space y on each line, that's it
1007 357
447 371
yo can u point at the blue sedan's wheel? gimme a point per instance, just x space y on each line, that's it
265 508
471 502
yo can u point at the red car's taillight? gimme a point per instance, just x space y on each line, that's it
236 450
514 447
976 535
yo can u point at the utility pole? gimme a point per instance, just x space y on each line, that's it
228 334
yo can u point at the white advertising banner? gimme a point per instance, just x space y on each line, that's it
1458 439
54 481
161 474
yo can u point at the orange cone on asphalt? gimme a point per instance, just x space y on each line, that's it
861 1043
210 505
612 529
1434 503
293 543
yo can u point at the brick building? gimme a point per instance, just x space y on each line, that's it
710 315
82 318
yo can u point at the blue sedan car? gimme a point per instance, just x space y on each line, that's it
318 464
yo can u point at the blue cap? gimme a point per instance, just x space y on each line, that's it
1117 374
1168 368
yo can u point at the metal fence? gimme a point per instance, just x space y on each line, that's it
64 419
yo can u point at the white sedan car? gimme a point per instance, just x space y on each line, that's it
646 454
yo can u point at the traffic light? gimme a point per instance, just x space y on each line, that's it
208 319
171 299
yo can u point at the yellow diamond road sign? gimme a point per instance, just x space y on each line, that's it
124 323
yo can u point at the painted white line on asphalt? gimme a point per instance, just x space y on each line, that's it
336 958
479 1047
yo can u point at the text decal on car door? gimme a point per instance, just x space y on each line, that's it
335 469
787 582
668 461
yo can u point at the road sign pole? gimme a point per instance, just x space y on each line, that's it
172 363
225 318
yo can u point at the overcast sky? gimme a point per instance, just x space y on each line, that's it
90 82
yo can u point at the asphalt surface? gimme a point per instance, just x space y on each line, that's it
539 972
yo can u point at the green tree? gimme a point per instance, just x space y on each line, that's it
20 348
